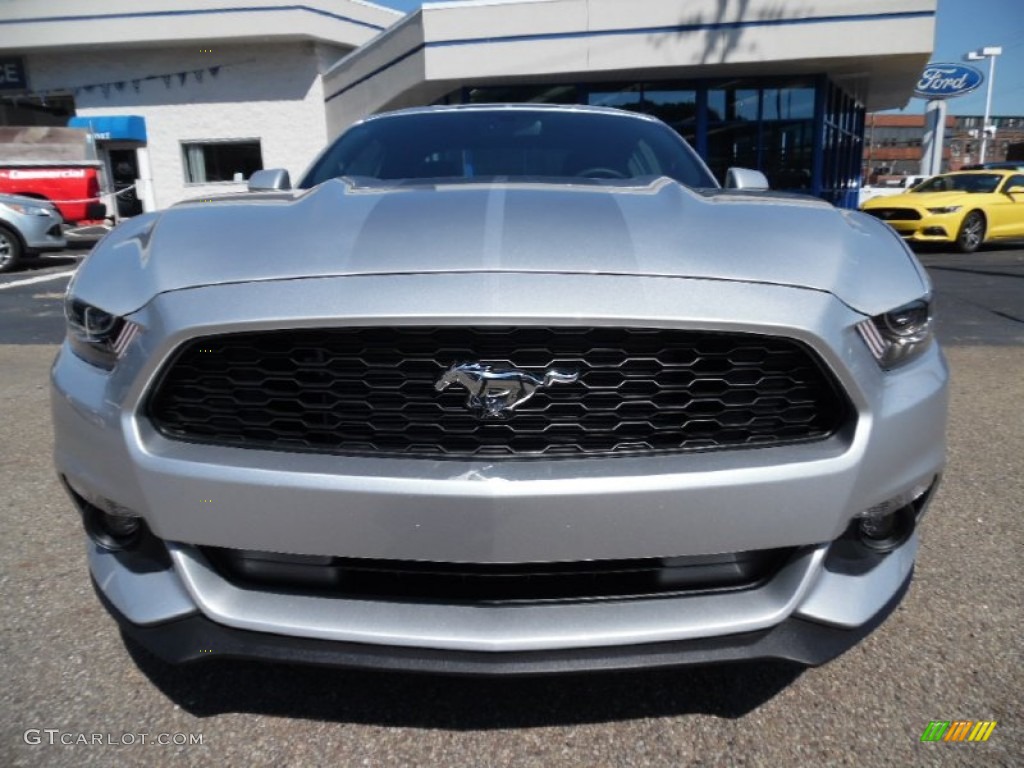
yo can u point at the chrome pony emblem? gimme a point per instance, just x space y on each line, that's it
496 394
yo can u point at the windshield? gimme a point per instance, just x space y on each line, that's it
514 143
967 182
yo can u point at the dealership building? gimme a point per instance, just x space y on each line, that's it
191 96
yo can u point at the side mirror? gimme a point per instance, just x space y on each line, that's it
1016 189
745 178
274 179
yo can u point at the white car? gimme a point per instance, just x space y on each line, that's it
27 225
892 187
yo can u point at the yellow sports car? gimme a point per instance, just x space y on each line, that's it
967 208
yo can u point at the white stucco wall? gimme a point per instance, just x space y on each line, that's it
77 24
270 92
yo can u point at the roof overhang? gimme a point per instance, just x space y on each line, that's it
28 26
876 49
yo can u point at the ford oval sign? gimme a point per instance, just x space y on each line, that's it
944 81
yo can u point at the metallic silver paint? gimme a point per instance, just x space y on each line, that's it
805 589
745 178
660 229
271 179
33 228
502 511
602 253
498 628
851 599
144 597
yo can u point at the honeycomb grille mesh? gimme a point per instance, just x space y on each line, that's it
896 214
370 391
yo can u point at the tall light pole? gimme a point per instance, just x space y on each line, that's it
990 53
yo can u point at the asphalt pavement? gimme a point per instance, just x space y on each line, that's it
951 651
31 311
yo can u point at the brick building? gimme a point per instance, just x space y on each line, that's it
892 143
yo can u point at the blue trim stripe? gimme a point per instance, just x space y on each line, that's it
726 25
194 12
377 71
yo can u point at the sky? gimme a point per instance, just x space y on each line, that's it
967 25
961 26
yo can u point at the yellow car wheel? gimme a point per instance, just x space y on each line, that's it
972 232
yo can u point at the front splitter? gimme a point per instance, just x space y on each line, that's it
197 638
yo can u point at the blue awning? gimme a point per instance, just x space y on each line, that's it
112 127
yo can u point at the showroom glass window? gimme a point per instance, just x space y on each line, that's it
805 133
517 94
676 106
843 147
767 128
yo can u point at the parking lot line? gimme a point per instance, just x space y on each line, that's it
39 279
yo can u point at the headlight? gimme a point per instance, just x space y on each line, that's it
899 336
946 209
97 337
28 210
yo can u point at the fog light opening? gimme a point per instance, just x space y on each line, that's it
886 532
112 532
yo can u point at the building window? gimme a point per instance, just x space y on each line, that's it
796 103
733 102
675 106
768 128
805 133
522 94
213 161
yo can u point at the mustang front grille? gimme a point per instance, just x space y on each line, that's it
895 214
375 391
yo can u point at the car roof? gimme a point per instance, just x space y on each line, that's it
1013 165
982 172
506 107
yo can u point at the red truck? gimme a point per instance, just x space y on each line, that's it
55 164
73 188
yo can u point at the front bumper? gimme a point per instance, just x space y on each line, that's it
195 638
564 510
42 233
930 228
173 602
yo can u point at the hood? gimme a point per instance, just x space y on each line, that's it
924 199
657 229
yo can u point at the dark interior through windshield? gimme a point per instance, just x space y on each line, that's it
981 183
515 143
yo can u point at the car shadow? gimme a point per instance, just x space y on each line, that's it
463 703
946 249
31 262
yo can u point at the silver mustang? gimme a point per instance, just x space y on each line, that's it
501 389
